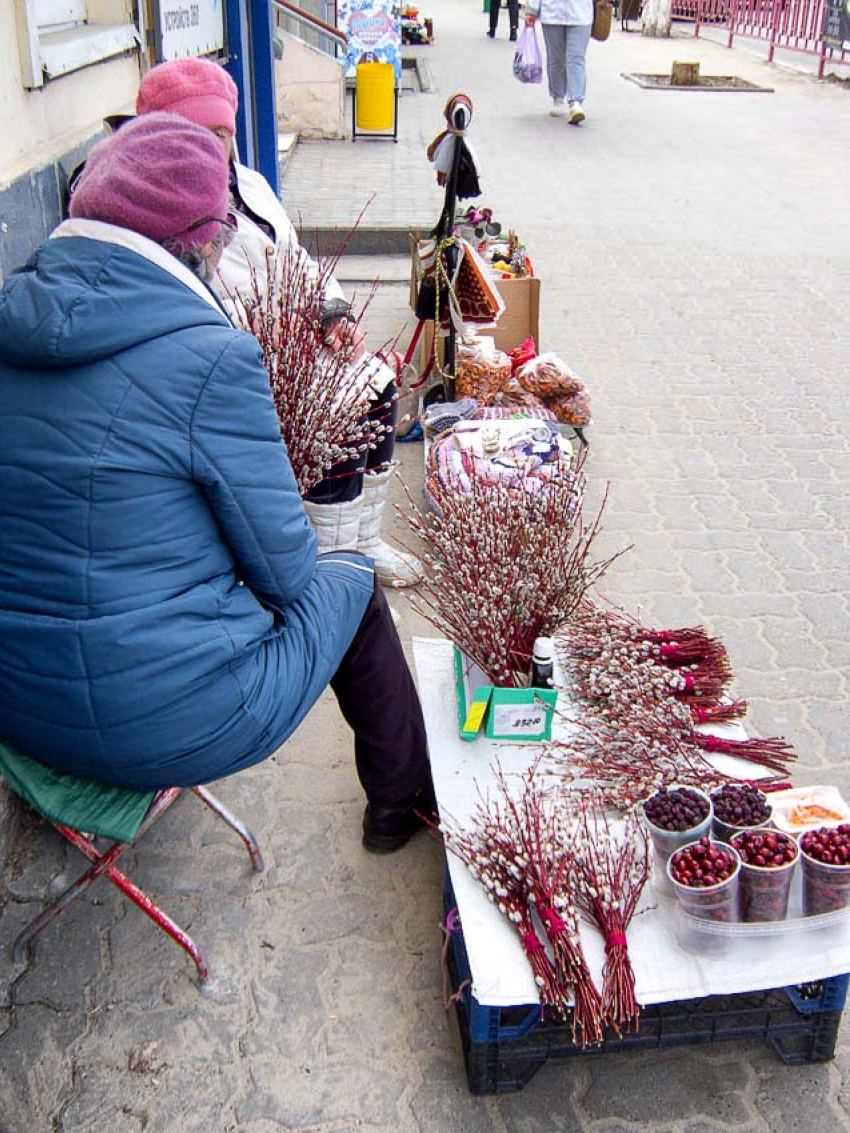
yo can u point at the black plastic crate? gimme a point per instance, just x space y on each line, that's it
503 1047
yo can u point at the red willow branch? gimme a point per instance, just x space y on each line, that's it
322 395
606 882
504 565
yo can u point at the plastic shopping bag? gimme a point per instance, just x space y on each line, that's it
528 67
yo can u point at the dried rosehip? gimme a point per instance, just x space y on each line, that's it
687 866
740 804
678 809
769 850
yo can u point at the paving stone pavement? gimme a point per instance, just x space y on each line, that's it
695 257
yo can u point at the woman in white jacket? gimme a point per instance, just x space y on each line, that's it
566 33
346 509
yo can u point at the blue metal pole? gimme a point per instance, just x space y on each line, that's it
250 49
265 114
239 67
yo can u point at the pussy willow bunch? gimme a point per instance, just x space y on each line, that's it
498 865
539 821
504 565
321 395
607 654
638 730
606 881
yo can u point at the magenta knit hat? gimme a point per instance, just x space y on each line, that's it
197 89
157 175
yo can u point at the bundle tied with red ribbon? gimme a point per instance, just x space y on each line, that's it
607 880
636 730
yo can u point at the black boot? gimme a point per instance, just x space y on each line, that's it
388 828
512 36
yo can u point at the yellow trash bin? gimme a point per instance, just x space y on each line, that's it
375 91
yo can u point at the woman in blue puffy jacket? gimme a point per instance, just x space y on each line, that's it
165 619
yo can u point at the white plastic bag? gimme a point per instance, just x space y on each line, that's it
528 67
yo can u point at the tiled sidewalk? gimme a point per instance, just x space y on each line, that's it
695 259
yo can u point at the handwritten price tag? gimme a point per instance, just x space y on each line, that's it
518 719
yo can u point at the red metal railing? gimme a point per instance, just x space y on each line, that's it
793 25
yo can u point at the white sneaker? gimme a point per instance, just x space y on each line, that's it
576 114
557 109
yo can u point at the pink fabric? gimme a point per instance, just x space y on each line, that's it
197 89
156 176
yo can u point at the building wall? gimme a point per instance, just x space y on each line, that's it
309 91
45 133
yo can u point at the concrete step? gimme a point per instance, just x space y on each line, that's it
377 240
365 269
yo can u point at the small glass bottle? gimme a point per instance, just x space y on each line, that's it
543 663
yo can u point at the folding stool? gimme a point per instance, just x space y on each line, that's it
115 813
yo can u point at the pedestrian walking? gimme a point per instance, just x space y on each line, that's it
566 33
513 13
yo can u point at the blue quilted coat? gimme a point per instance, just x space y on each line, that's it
164 619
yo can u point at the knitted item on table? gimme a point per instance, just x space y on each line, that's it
507 412
442 415
530 456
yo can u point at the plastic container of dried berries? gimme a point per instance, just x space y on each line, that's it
826 888
666 842
764 890
748 940
712 902
723 832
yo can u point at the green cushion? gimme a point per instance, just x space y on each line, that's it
112 812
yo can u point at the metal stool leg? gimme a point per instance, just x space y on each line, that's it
160 918
70 895
234 823
103 866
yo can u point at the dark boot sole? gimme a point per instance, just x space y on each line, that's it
386 843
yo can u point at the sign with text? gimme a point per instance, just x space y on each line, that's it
836 24
188 27
371 26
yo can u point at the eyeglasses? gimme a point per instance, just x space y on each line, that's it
229 226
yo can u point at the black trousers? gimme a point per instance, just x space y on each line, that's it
513 12
377 697
344 482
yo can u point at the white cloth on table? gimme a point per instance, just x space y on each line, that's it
664 972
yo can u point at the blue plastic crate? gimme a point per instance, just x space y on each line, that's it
503 1047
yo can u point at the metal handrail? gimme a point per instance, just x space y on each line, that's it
313 21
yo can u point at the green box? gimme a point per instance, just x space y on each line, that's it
522 715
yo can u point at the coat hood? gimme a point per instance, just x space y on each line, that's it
86 297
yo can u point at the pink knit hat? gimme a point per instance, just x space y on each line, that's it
197 89
158 175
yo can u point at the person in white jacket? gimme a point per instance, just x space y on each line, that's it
347 507
566 33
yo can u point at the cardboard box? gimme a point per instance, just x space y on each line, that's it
520 318
522 715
